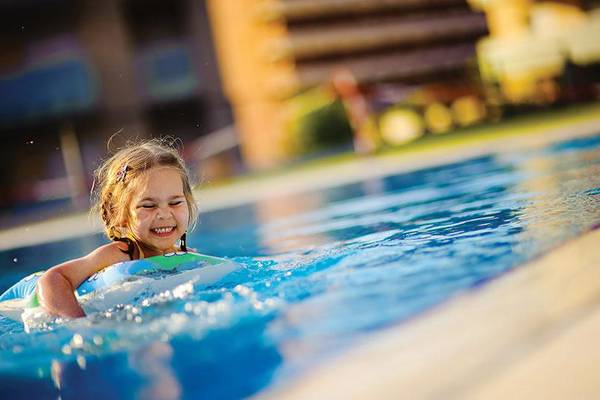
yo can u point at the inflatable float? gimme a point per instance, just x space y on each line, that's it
121 283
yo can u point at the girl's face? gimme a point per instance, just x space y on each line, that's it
159 211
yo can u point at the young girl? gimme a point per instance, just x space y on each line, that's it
146 204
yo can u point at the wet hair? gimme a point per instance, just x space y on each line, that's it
117 179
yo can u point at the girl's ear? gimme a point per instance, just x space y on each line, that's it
124 229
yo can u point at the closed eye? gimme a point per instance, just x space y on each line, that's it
147 206
176 203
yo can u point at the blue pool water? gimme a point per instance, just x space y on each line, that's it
320 271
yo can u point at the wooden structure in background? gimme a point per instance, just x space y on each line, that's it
270 49
253 80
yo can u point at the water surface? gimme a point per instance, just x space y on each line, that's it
320 271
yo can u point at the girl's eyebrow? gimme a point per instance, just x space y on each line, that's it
177 196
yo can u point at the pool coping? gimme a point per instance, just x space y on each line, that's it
324 175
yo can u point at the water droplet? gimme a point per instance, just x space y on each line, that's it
56 373
15 259
77 340
98 340
81 361
242 290
66 349
269 302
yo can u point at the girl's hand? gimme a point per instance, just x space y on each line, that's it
57 295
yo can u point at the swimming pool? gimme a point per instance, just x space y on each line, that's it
321 270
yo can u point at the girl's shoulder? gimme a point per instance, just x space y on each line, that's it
111 253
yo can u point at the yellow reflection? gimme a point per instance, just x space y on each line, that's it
554 186
280 237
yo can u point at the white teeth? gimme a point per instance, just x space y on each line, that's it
163 230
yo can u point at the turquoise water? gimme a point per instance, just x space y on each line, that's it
320 271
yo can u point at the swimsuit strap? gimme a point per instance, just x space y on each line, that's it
130 246
182 243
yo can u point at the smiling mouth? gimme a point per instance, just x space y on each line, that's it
163 230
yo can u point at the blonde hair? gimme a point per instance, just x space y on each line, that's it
116 180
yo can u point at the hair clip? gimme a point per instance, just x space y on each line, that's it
122 173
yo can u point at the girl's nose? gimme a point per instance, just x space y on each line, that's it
163 213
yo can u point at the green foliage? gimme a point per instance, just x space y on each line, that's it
317 121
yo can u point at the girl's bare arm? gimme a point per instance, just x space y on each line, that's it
57 286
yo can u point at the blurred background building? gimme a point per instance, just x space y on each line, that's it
76 72
254 84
